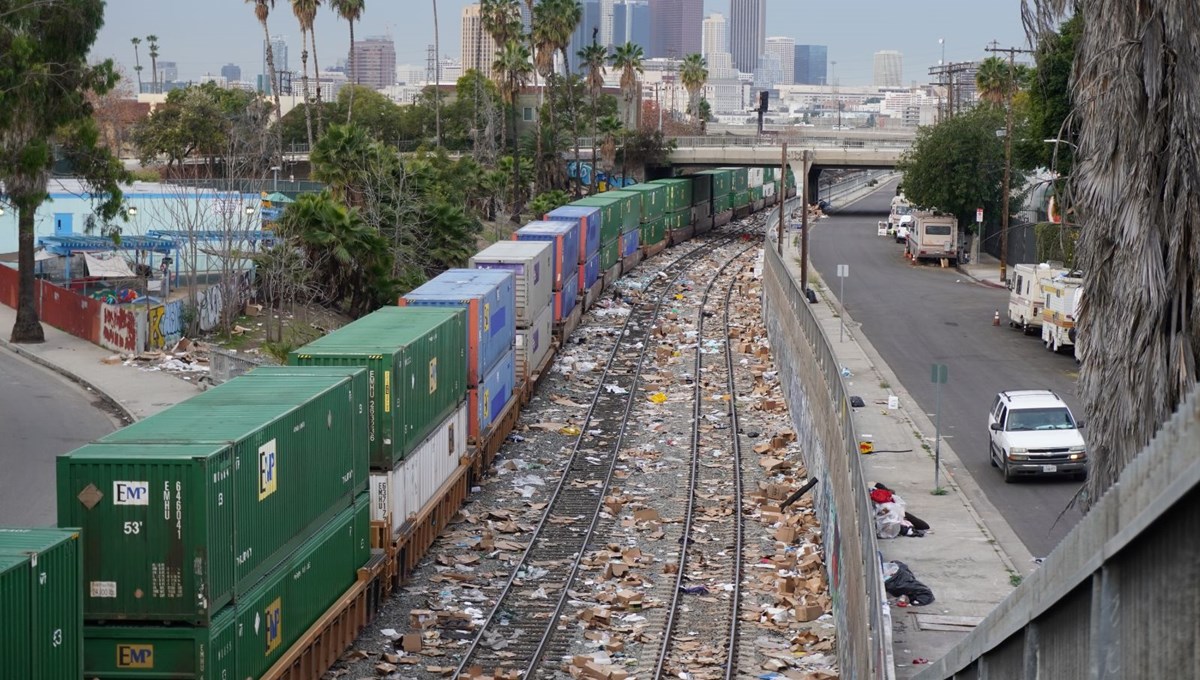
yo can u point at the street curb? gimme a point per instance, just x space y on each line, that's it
982 282
112 401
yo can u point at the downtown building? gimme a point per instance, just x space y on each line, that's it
811 65
283 75
675 27
889 69
783 49
478 48
373 62
747 33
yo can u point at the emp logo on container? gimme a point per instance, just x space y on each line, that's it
268 470
135 656
131 493
274 627
487 317
433 375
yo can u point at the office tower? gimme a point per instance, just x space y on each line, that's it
582 36
747 33
784 49
231 73
606 22
279 53
716 35
769 72
373 62
676 27
478 48
811 65
168 72
889 68
631 23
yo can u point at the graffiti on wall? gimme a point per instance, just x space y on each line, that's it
118 328
164 325
208 308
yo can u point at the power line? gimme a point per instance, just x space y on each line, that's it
995 48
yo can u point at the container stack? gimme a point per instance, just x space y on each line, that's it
678 214
531 264
652 228
489 298
41 575
754 183
740 189
718 185
589 219
612 218
564 240
187 545
770 188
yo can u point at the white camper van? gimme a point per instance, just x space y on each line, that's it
934 236
1061 294
900 218
1025 298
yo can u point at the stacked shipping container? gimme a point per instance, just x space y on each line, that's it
564 238
42 603
589 220
655 199
612 221
531 263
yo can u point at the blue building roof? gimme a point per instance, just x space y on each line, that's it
65 245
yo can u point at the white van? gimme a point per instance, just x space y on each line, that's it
1032 432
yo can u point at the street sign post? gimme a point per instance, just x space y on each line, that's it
977 244
938 375
843 272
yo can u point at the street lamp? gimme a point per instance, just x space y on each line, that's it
132 211
942 42
275 169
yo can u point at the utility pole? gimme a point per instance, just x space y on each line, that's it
782 200
1008 125
803 182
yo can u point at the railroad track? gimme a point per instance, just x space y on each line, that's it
700 637
519 629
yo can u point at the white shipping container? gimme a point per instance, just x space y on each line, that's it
533 343
754 177
407 489
533 265
768 189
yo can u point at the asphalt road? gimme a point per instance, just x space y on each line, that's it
41 415
916 316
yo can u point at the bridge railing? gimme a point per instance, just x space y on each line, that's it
816 142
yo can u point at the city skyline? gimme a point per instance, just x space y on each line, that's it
967 28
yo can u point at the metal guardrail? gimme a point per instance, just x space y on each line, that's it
819 405
1119 597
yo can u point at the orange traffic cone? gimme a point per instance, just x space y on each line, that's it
996 318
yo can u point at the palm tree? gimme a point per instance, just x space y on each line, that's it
137 62
543 41
512 63
992 80
610 129
628 58
594 58
1133 183
300 9
351 11
306 14
262 8
153 40
502 22
694 73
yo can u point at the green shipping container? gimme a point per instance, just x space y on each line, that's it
769 174
631 210
41 603
654 232
741 199
702 186
610 254
184 511
721 183
612 214
678 219
245 639
679 193
739 178
416 359
756 194
722 203
654 200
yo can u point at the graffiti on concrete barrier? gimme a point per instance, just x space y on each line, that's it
208 308
154 337
118 329
164 325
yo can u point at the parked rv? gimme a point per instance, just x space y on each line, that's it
1025 298
900 218
934 236
1061 294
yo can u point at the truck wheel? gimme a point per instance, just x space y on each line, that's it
1008 475
992 456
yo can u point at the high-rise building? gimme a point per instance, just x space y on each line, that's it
582 37
747 32
168 72
716 35
769 72
478 48
784 49
606 22
279 54
231 73
811 65
676 26
889 68
631 23
373 62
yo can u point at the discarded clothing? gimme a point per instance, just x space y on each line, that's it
902 582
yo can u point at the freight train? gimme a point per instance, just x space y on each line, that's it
253 530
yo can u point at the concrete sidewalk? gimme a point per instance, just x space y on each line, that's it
971 559
987 271
132 391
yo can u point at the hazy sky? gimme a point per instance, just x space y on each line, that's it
202 36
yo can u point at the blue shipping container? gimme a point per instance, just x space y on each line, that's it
589 225
565 237
489 295
629 243
487 401
589 273
564 300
